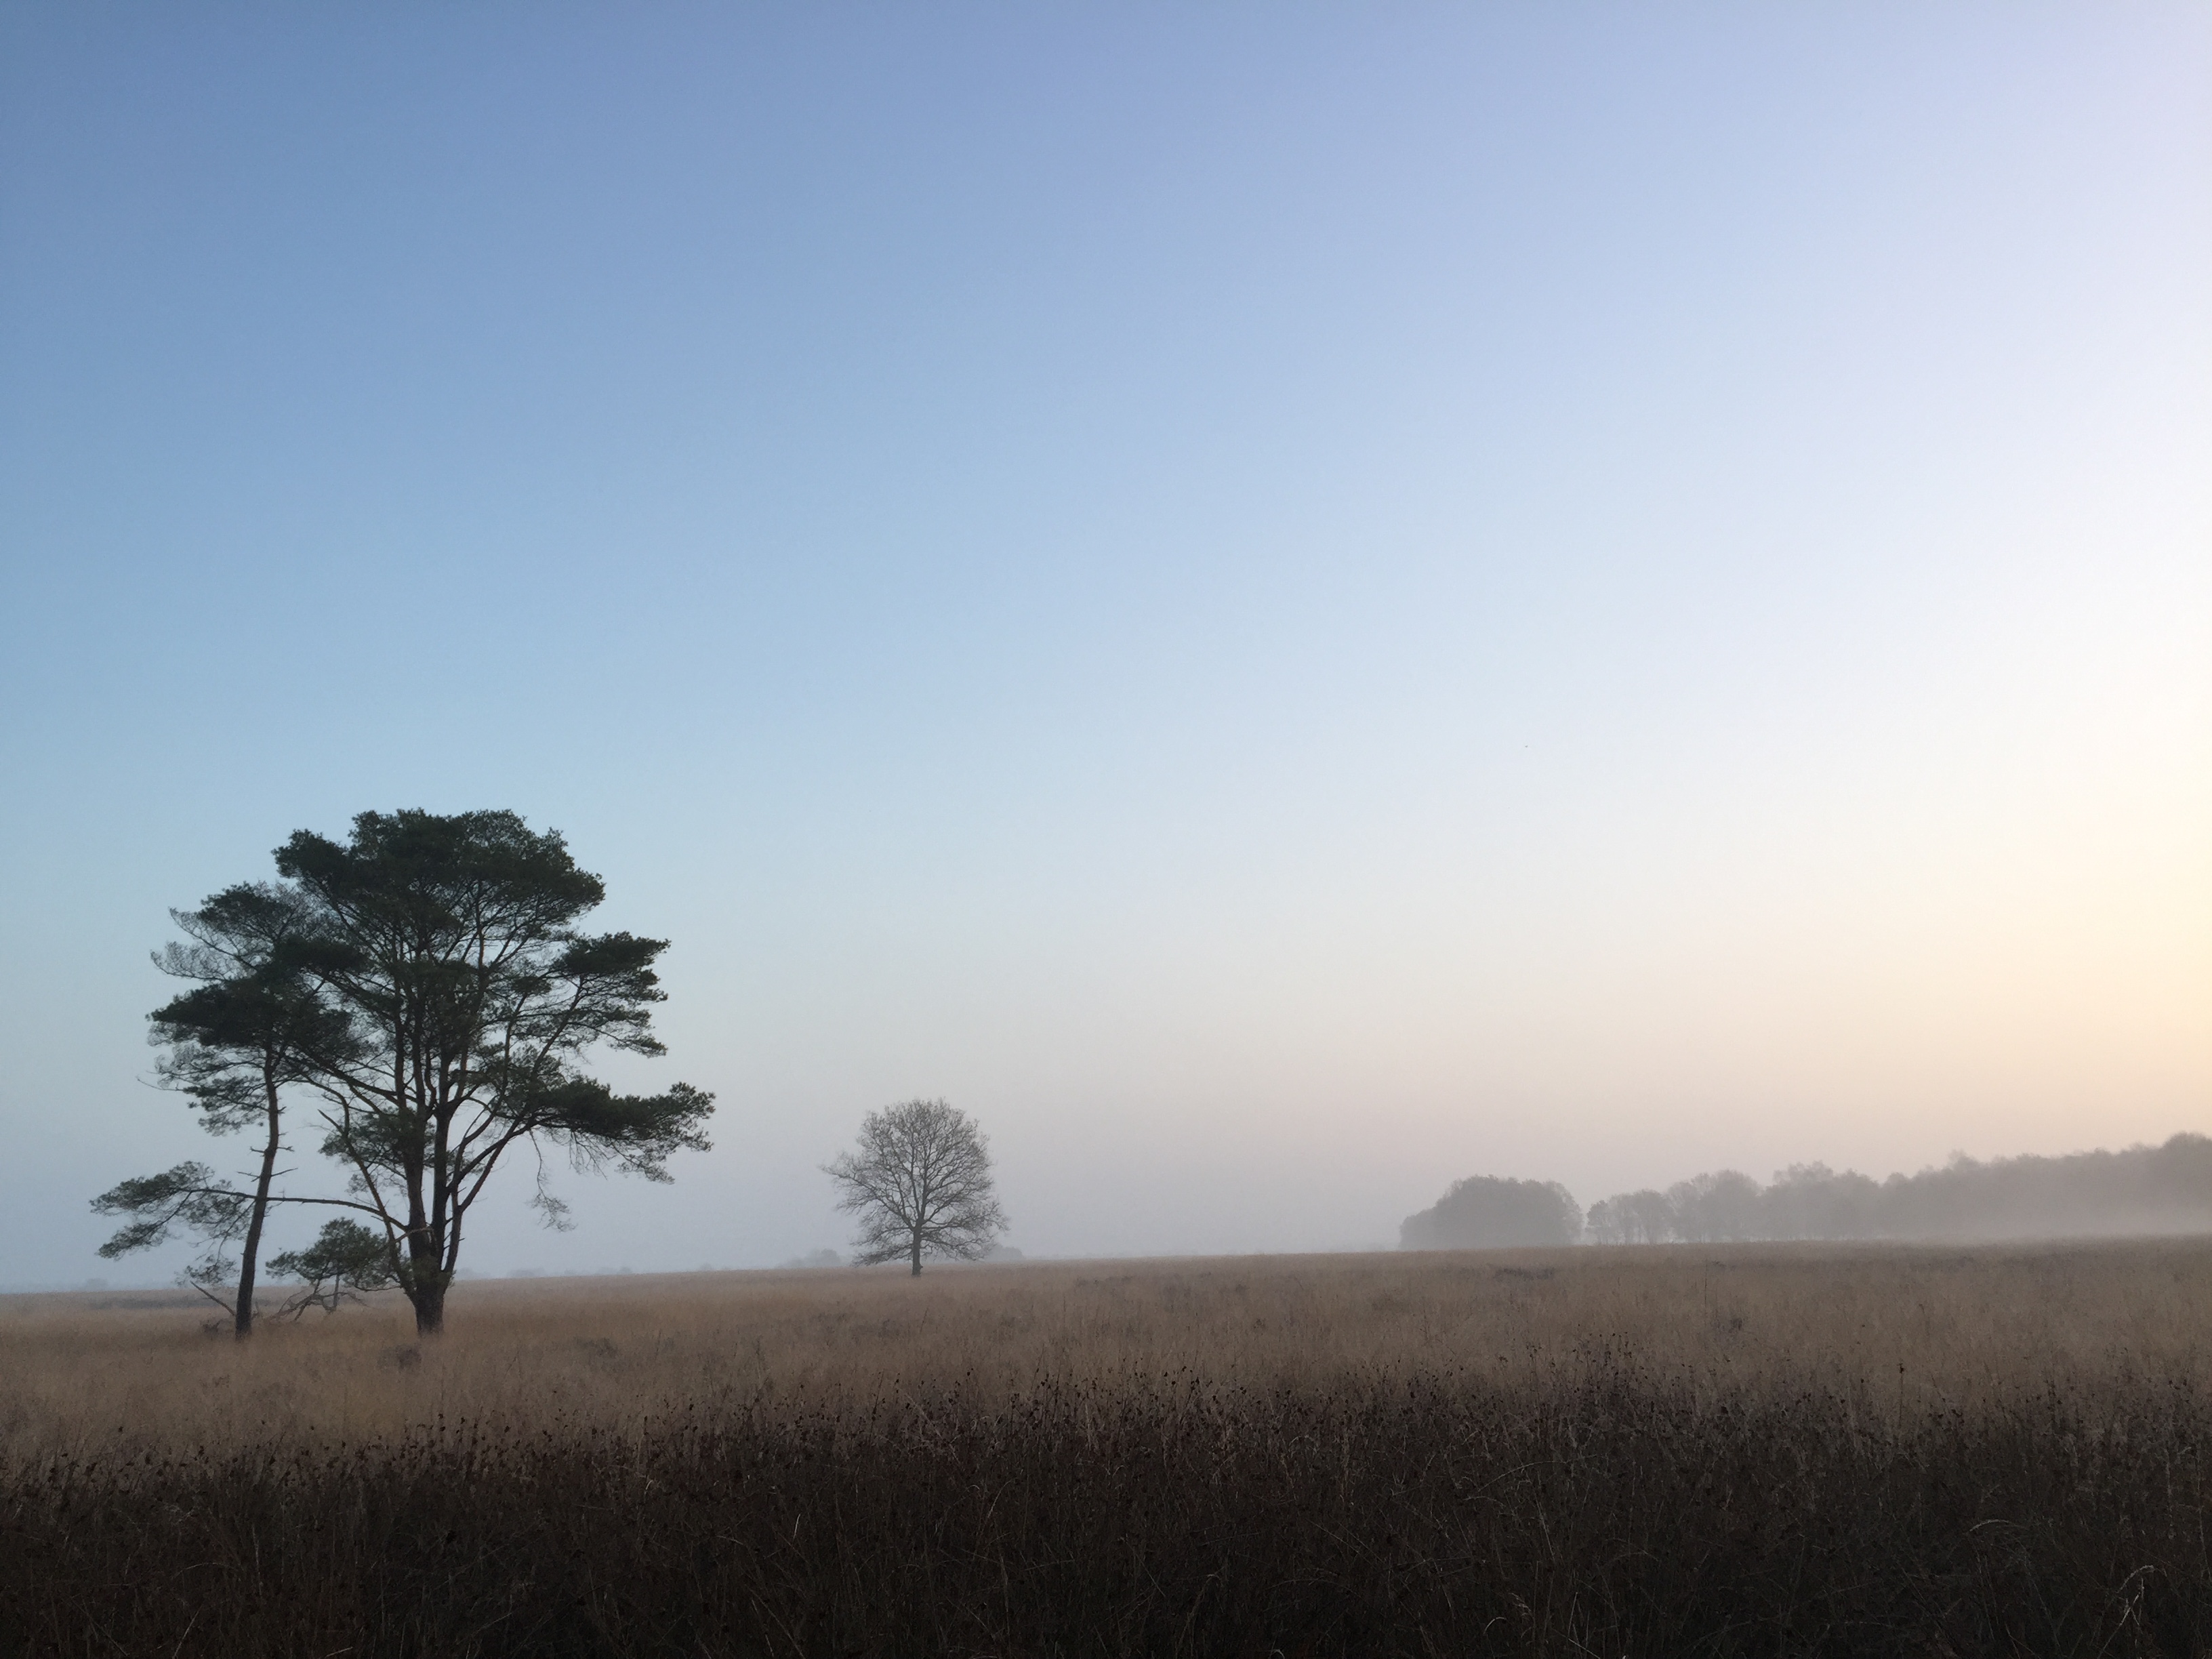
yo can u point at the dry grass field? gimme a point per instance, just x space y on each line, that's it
1771 1451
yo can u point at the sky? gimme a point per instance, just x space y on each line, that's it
1284 602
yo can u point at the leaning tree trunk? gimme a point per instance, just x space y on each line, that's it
242 1321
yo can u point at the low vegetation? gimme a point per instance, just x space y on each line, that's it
1724 1450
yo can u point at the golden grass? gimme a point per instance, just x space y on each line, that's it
1734 1452
1925 1327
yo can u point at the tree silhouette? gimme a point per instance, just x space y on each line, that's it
921 1183
433 1000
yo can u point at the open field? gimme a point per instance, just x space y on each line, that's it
1750 1449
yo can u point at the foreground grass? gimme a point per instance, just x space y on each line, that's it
1755 1451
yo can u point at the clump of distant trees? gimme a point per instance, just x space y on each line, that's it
1488 1213
2141 1189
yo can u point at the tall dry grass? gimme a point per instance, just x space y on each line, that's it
82 1372
1752 1449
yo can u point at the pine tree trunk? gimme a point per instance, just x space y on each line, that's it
241 1321
426 1287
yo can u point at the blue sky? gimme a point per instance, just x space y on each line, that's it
1287 603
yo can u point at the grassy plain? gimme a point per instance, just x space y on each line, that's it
1756 1449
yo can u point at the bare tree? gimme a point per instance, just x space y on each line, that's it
921 1183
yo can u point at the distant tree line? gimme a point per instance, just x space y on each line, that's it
2141 1189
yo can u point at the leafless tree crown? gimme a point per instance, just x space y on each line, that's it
920 1181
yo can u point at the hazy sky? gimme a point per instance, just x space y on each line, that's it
1287 603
